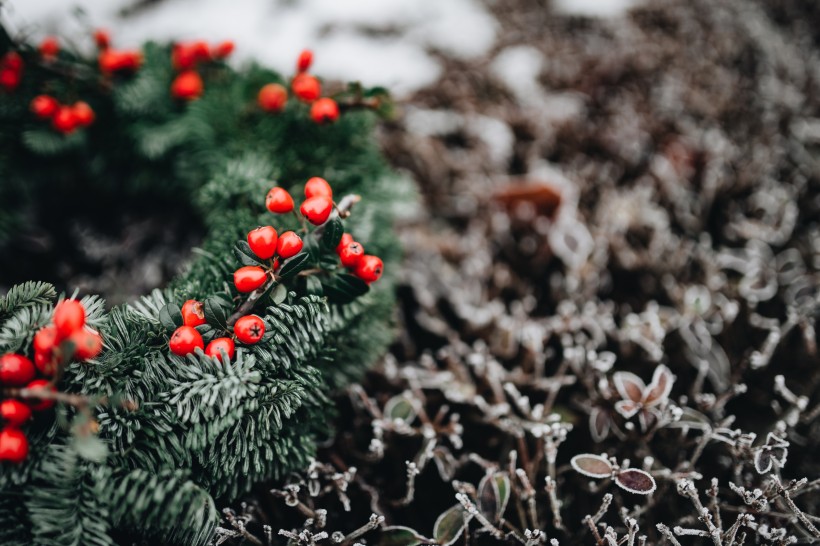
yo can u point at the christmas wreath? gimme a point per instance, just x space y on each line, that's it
131 423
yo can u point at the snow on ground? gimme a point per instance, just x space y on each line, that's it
375 41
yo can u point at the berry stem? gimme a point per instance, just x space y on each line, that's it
248 304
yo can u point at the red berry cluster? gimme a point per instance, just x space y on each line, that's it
11 71
64 118
54 345
307 88
186 57
316 209
115 61
186 339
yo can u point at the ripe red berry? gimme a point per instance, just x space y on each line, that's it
272 97
317 209
346 240
201 50
279 201
369 268
69 316
87 344
112 61
324 110
262 241
83 114
183 56
306 87
38 404
45 362
14 412
102 38
192 313
289 245
304 61
249 278
13 445
15 370
223 49
184 340
9 79
13 61
64 120
46 339
215 348
249 329
187 86
49 48
318 186
351 254
44 106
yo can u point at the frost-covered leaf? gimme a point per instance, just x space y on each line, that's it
594 466
401 408
450 525
635 481
402 536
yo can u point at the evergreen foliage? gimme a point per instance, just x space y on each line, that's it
164 436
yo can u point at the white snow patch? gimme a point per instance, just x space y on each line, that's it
518 67
594 8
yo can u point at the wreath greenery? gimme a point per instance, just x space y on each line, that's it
142 441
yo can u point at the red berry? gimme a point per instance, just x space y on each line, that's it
369 268
83 114
46 339
69 316
49 48
279 201
45 362
102 38
64 120
44 106
37 404
351 254
263 241
324 111
9 79
317 209
223 49
13 61
87 344
215 348
184 340
14 412
192 313
318 186
183 57
13 445
272 97
249 329
201 50
289 245
306 87
15 370
304 61
119 61
187 86
346 240
249 278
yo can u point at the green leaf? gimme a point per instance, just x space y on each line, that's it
400 407
242 251
170 316
216 312
450 525
332 235
294 265
279 294
402 536
493 494
345 288
314 286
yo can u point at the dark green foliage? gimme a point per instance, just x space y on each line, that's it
176 433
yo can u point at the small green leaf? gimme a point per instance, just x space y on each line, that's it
493 494
314 286
400 407
215 311
170 316
294 265
345 288
279 294
332 235
450 525
402 536
242 251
